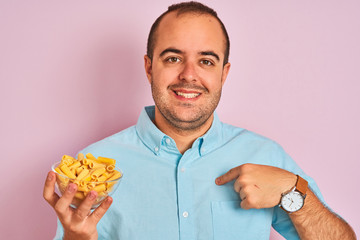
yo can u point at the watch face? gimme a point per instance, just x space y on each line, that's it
292 201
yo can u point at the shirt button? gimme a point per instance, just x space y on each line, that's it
185 214
168 141
182 169
156 149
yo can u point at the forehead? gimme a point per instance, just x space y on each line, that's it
190 32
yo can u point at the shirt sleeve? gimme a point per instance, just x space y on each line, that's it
59 231
281 220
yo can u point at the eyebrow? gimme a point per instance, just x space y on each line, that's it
210 53
173 50
204 53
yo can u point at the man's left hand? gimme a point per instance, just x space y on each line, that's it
259 186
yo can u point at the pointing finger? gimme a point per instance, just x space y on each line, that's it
232 174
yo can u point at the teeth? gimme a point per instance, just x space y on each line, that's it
188 95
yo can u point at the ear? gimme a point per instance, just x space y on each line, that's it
148 67
225 72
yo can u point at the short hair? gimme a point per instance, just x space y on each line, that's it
181 8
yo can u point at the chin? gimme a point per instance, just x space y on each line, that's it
188 122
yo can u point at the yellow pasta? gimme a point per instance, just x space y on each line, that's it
67 171
103 194
99 188
83 188
110 168
96 165
92 163
62 179
82 183
91 185
57 169
89 173
67 162
79 195
104 176
78 171
82 174
116 175
80 156
76 164
65 157
90 156
97 172
106 160
85 161
87 178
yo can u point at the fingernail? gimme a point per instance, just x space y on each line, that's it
108 200
92 195
71 188
50 177
217 181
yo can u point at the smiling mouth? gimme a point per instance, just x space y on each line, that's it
187 95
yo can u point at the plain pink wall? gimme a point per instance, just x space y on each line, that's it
72 73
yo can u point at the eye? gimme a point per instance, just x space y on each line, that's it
173 60
206 62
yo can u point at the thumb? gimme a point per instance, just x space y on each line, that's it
232 174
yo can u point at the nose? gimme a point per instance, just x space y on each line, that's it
188 72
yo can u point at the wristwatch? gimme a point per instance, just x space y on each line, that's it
294 199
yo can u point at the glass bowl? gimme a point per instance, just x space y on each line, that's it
103 188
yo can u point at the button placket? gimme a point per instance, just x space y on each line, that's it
185 199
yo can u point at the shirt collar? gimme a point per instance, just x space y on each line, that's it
153 137
147 131
212 139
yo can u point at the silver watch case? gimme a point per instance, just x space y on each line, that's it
292 201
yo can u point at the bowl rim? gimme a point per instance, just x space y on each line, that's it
56 164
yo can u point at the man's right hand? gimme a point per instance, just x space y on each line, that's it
78 223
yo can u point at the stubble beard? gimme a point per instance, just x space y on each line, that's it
197 119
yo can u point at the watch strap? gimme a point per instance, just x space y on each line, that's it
301 185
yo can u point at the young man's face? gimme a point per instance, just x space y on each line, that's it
187 72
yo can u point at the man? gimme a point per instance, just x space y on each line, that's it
186 174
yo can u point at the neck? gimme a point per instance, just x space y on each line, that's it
183 138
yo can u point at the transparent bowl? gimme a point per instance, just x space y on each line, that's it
103 188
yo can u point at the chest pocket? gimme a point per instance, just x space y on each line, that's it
231 222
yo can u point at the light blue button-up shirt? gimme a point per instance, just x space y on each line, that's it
165 195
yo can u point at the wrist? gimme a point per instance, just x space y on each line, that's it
294 199
69 236
291 183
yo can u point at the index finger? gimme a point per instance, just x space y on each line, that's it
232 174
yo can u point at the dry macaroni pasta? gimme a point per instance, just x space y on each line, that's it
89 173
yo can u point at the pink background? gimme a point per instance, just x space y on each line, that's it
72 73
